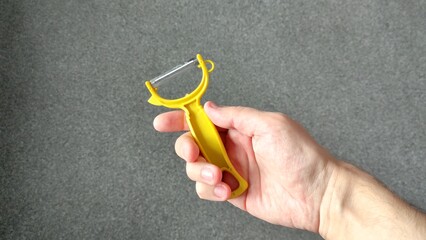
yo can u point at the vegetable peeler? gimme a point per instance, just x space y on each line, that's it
202 129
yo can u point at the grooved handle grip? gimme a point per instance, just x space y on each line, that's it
210 143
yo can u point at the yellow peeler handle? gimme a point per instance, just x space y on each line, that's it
210 143
202 129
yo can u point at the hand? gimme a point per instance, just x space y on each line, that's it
286 169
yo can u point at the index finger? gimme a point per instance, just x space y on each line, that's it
173 121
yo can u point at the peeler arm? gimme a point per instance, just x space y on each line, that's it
210 143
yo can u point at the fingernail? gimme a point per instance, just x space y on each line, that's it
207 174
220 191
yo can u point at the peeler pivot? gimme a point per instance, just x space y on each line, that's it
202 129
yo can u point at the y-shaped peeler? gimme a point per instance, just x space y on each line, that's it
202 129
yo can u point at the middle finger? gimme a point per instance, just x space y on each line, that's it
186 148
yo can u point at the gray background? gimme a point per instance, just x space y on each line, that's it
80 159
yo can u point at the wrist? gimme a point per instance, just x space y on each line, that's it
334 203
357 206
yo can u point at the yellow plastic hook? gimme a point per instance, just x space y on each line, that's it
202 129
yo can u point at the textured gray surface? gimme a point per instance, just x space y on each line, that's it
80 160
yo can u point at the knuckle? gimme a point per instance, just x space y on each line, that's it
200 190
178 146
280 117
190 171
277 122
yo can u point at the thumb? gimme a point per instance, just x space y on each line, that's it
245 120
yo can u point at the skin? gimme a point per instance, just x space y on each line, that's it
293 181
